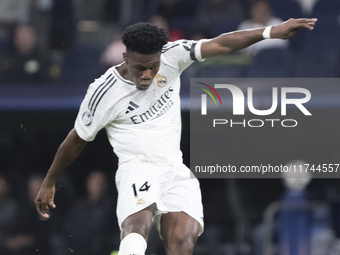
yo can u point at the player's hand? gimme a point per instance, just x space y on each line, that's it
45 200
288 28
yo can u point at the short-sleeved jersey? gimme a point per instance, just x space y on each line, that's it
140 124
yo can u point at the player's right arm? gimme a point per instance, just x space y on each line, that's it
67 152
93 115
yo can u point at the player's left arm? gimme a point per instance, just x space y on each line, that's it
234 41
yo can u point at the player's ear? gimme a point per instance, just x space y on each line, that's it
125 57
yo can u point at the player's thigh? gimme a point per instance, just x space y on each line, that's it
183 194
179 229
139 222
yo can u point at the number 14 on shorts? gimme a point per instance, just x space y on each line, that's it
144 187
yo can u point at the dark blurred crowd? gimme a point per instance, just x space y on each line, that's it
87 225
43 41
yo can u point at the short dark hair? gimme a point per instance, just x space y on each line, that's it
144 38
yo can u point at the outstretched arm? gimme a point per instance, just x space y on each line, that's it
234 41
68 151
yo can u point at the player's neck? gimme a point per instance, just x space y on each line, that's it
123 71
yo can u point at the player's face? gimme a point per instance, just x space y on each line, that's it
142 68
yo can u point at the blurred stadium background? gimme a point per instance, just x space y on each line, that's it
50 50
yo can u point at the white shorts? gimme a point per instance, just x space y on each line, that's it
171 188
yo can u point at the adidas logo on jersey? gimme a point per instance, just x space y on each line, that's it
132 106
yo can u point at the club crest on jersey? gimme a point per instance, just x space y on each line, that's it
87 118
161 80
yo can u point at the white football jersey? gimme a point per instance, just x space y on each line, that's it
141 125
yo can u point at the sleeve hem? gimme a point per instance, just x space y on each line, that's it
81 134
